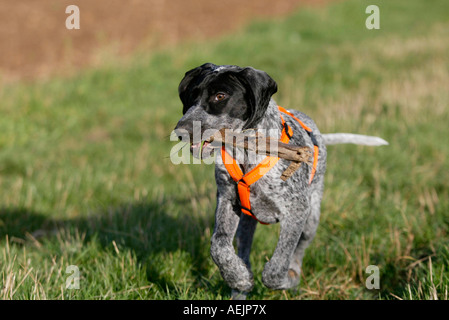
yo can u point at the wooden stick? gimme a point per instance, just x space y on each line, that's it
259 144
291 169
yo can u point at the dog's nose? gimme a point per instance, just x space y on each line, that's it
181 131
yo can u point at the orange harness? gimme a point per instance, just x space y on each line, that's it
244 181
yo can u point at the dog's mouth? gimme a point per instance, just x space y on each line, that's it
202 149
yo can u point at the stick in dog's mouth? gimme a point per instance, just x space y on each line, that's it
259 144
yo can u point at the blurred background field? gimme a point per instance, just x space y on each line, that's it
85 173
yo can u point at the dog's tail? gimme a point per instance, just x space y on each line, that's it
340 138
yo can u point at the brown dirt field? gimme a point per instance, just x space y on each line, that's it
35 44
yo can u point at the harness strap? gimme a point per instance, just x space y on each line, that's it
312 137
244 181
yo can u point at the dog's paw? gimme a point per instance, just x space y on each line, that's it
278 279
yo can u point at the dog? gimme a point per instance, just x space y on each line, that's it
232 97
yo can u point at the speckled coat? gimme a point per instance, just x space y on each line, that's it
293 203
237 98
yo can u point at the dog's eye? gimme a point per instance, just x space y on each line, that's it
220 96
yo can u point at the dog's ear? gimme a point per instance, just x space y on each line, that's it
260 87
191 79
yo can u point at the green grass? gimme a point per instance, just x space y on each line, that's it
86 178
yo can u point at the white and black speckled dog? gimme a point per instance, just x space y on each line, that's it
240 98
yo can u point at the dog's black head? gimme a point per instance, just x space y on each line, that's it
224 97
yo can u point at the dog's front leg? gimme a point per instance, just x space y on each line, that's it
276 274
245 233
232 268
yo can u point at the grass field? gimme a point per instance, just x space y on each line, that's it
86 178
